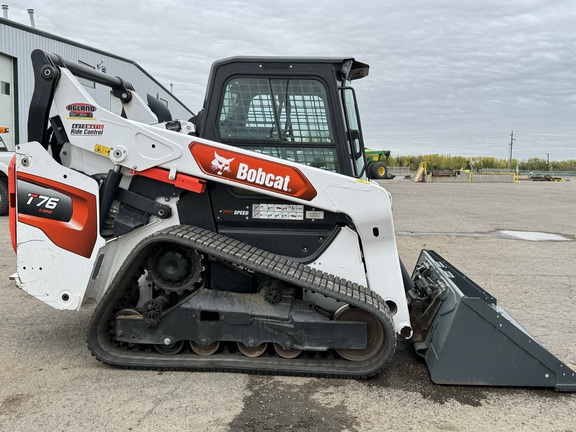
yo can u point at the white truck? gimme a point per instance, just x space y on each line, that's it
5 158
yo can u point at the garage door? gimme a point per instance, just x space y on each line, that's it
7 100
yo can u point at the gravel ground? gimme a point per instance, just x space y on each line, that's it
50 382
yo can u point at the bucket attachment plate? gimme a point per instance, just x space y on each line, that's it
472 341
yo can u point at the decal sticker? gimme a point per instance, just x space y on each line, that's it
314 214
87 129
220 164
35 200
103 150
230 214
67 215
80 110
253 171
278 211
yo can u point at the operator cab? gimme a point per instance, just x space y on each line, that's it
302 110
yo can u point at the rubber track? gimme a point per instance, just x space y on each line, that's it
261 261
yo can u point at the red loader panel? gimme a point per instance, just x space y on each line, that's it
67 215
253 171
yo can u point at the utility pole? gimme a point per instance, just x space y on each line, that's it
547 161
512 139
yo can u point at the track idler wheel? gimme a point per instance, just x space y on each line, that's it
375 334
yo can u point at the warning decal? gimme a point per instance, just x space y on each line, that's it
278 211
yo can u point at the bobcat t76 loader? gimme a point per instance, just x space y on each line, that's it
244 239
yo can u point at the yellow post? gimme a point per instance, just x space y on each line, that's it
421 173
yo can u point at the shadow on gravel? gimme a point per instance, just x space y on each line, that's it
286 404
408 372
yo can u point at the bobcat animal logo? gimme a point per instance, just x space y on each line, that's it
221 164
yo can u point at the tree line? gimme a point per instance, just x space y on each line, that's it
439 161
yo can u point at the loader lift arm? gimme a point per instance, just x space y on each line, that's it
46 75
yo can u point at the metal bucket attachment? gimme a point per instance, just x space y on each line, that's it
466 339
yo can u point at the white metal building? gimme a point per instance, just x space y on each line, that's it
17 41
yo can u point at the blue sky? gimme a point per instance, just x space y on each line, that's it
448 77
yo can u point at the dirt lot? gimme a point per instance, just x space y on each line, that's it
49 381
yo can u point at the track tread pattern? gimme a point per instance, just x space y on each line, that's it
253 258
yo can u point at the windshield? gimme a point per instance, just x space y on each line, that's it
285 118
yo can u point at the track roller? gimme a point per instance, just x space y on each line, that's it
287 353
204 350
256 351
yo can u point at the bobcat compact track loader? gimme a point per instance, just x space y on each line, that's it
255 244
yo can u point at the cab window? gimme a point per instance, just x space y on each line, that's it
286 118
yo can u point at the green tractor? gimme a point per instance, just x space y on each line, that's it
376 167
